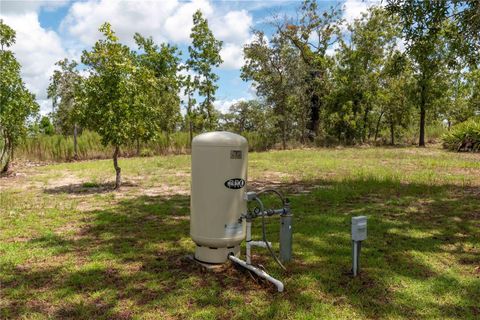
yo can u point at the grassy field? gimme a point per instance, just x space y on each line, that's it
72 248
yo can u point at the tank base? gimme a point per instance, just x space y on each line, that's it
215 255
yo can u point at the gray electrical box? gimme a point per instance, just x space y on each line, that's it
359 228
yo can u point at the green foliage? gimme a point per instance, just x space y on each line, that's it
248 116
129 97
46 127
431 32
17 104
157 89
278 73
109 90
65 91
464 136
368 87
312 34
204 56
361 83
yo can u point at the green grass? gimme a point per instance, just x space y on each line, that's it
72 248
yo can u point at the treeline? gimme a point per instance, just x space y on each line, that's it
319 80
60 148
412 63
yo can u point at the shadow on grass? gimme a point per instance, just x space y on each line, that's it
87 188
130 260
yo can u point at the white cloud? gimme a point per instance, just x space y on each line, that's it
232 55
224 105
169 20
127 17
234 30
25 6
355 8
37 50
179 24
45 106
232 27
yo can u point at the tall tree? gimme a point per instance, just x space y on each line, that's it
272 65
108 92
426 37
204 56
189 90
394 96
361 59
129 96
64 90
313 33
159 87
17 104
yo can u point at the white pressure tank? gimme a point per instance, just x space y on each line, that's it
219 175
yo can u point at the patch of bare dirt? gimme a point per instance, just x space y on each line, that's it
20 239
166 190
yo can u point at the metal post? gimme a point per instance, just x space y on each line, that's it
359 248
359 233
354 258
356 247
285 237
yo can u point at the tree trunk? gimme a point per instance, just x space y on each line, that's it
75 143
118 170
190 123
392 133
191 131
365 124
5 148
6 166
304 129
314 114
284 130
138 147
378 125
6 154
209 116
421 141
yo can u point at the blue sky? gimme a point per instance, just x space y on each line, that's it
48 31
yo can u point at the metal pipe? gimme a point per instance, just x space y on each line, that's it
260 244
258 272
286 237
355 257
271 212
248 239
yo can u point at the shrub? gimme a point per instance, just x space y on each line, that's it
464 136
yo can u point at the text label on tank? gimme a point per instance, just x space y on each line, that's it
235 183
